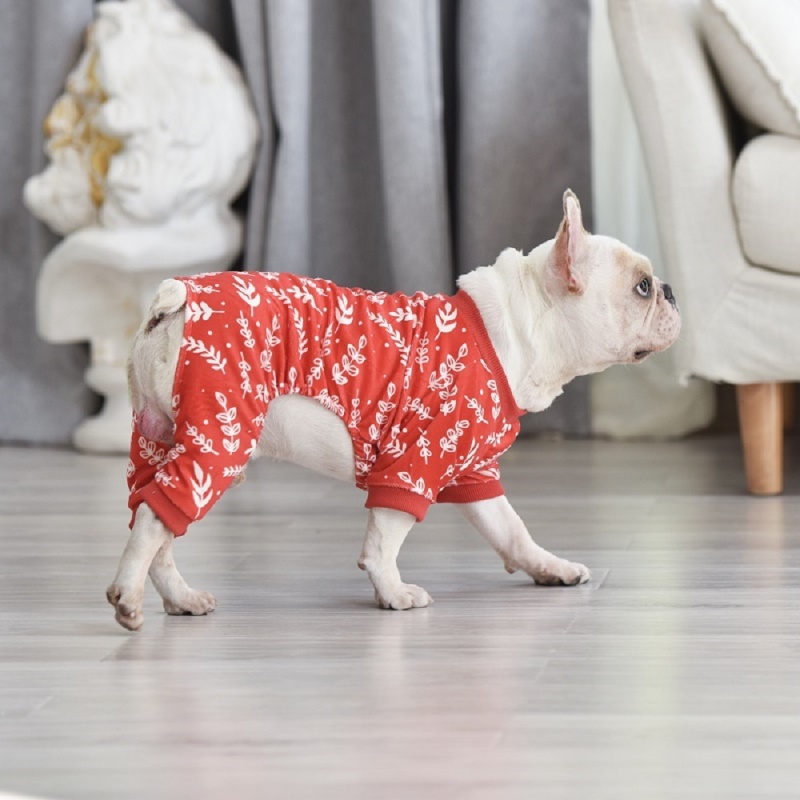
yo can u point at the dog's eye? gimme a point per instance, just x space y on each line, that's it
643 287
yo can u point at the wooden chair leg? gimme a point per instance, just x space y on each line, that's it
761 427
789 405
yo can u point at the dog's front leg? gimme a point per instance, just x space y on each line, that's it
386 532
126 592
502 527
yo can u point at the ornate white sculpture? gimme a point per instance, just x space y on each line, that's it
152 140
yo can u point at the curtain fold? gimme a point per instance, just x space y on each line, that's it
42 393
255 60
411 134
350 182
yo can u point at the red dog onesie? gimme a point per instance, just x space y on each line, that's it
415 380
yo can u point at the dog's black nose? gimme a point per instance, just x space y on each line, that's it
668 294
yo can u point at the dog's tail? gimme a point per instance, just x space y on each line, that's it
170 299
152 360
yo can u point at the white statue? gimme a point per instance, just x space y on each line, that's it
152 140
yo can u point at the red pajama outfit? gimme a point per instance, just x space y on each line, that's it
415 379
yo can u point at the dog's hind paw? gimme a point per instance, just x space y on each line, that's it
192 602
127 607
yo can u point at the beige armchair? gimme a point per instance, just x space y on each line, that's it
727 204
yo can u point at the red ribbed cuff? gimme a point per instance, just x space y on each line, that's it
404 500
471 492
175 520
399 499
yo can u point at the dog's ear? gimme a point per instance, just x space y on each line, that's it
570 245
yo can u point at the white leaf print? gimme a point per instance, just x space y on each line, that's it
471 455
292 375
394 447
227 415
422 352
331 402
449 442
229 427
344 313
418 486
205 444
475 405
247 334
272 339
302 294
349 363
395 336
495 394
404 315
316 369
415 405
198 288
446 319
231 445
201 488
302 339
355 412
248 292
423 445
151 452
453 365
210 353
199 311
244 374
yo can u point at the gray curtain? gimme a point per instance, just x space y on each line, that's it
42 394
406 143
402 144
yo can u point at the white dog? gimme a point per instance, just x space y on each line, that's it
412 398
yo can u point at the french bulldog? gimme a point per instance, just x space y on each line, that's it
413 398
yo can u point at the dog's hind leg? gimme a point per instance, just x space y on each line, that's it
386 532
502 527
147 537
178 598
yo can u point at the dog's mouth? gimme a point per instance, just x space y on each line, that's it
641 355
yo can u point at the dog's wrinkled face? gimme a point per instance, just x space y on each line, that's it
645 318
619 311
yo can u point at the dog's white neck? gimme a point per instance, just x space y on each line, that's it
525 328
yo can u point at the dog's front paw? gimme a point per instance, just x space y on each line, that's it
127 606
402 597
561 572
192 602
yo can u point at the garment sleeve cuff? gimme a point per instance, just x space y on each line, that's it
173 518
398 499
470 492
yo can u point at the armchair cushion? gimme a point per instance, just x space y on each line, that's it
767 202
753 45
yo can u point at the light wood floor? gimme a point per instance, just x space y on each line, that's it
674 674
